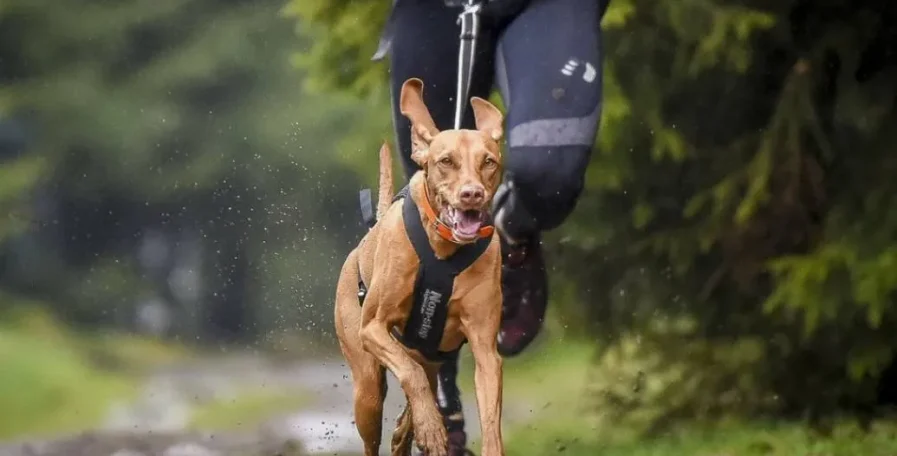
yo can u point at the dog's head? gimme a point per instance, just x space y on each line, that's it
462 167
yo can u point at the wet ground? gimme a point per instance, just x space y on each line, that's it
155 423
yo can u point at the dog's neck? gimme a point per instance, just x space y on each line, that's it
442 248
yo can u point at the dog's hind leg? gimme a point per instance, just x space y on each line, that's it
403 436
368 375
370 391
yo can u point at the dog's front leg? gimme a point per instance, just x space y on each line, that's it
428 427
481 331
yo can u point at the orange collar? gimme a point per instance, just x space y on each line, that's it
444 230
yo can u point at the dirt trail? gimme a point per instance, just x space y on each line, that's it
155 423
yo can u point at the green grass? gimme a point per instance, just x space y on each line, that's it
46 386
54 380
49 389
543 387
545 437
551 378
246 410
131 354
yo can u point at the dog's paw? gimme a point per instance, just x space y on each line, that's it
403 436
430 434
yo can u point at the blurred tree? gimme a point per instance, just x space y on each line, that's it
18 176
739 220
176 128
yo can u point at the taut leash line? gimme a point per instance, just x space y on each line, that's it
470 26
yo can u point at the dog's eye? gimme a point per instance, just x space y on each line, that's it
447 161
489 163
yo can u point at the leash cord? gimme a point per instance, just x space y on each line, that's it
469 19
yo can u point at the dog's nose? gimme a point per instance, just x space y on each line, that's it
472 195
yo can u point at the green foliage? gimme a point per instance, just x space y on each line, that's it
17 178
344 36
191 104
746 233
340 37
648 380
191 113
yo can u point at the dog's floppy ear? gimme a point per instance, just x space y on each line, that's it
489 118
423 129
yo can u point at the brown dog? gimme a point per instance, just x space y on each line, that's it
461 170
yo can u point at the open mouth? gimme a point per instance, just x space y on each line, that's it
465 224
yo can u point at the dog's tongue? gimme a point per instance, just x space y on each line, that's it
467 223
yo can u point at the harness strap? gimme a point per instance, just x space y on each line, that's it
367 208
433 287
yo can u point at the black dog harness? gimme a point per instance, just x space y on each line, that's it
434 284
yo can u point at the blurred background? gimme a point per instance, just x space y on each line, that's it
178 190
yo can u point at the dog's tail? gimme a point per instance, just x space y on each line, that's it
385 194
